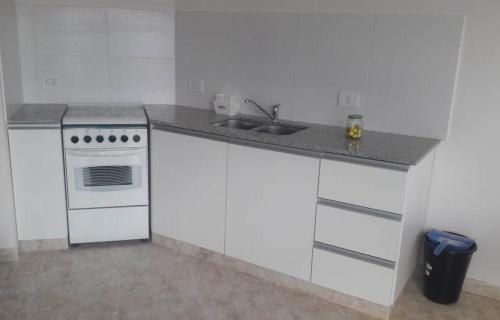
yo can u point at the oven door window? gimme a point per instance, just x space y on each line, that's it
108 178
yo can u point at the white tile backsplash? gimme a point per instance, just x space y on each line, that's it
26 28
412 73
142 80
333 56
70 30
79 79
404 66
262 58
213 66
96 54
141 34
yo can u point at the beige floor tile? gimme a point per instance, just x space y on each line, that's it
147 282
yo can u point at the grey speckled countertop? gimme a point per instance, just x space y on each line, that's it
319 140
316 140
38 115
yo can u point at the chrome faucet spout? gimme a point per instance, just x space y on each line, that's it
273 115
275 112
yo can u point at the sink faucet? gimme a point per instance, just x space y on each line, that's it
274 113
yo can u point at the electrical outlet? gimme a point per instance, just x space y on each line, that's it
196 85
49 82
349 99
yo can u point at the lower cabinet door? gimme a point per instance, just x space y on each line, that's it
188 185
36 157
352 276
271 200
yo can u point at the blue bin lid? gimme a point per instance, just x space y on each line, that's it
451 242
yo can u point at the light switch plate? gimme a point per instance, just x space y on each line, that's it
196 85
349 99
50 82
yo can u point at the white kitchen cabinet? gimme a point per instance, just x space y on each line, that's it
353 227
368 231
188 179
38 180
271 200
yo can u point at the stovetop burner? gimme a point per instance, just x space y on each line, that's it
106 115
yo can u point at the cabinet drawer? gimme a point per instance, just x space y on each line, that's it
363 185
354 277
364 232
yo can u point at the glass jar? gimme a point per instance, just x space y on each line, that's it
354 126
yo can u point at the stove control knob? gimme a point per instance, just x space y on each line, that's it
87 139
124 138
137 138
99 139
74 139
112 139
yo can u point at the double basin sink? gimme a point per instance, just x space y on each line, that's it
262 127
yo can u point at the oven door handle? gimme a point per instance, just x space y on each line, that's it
105 152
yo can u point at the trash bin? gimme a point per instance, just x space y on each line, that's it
446 258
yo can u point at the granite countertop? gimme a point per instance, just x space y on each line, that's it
39 115
317 140
320 140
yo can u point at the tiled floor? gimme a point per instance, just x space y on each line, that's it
144 281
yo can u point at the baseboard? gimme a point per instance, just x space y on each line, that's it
43 245
8 254
482 288
275 277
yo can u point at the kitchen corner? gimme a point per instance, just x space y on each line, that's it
242 160
369 182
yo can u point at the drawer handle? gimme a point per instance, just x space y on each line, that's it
358 209
354 255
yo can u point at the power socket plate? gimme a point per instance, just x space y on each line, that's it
348 99
196 85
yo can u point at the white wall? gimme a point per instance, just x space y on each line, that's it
464 191
404 66
97 54
10 55
465 196
8 45
357 6
8 235
123 4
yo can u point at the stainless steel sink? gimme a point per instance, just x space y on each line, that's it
279 130
237 124
262 127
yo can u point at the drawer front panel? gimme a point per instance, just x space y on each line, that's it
365 233
362 185
354 277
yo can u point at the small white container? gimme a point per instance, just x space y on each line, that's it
229 106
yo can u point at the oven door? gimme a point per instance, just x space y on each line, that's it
104 178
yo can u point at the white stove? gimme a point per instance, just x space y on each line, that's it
107 177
